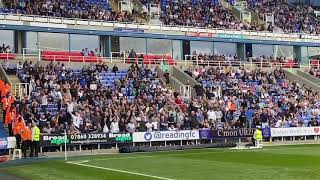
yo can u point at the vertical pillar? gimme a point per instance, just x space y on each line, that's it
146 41
19 41
108 49
241 51
104 46
301 54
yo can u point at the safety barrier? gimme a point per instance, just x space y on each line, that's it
122 57
7 56
181 137
21 89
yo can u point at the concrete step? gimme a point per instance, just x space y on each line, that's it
114 4
303 78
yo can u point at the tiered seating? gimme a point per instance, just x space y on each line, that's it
154 59
206 13
108 78
68 57
7 56
80 9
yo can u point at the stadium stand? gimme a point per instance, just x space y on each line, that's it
201 14
287 17
83 9
97 98
258 97
207 13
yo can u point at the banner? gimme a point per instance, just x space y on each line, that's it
96 138
129 30
226 133
3 143
295 131
165 136
199 34
234 36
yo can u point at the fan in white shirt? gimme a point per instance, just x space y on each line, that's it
76 119
114 127
131 128
149 126
212 115
155 125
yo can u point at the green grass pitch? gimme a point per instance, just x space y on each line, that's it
269 163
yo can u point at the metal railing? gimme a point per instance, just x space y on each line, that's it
122 57
102 23
4 76
22 89
6 56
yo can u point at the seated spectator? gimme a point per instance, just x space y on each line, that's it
97 10
202 14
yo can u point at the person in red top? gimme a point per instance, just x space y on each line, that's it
17 128
26 135
10 118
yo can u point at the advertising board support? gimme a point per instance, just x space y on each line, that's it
65 145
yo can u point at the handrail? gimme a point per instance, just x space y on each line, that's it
122 57
161 27
4 76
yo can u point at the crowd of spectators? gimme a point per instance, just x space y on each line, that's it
87 52
5 49
202 14
138 102
255 97
206 13
315 72
291 19
206 58
141 101
81 9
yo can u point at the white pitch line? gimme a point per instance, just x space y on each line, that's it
118 170
130 157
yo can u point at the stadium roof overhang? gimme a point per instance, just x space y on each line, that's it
152 35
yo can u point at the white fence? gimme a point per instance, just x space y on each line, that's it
122 57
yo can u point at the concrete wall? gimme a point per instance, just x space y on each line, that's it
292 76
173 82
309 77
3 75
185 79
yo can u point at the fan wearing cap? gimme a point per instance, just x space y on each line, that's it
257 136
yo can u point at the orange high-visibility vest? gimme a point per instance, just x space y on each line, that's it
2 87
26 134
7 88
18 127
5 103
11 115
11 100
